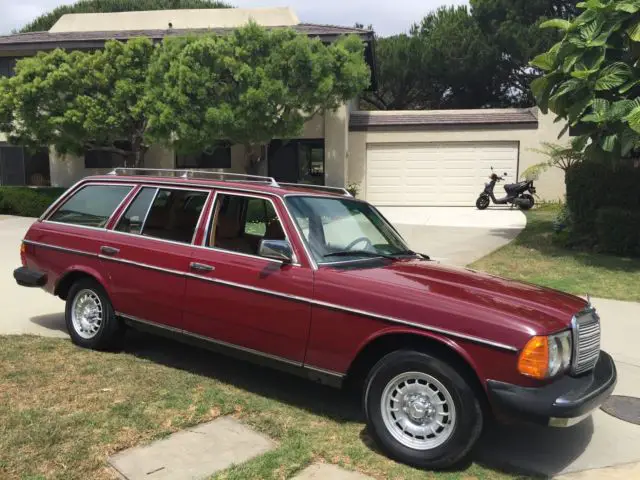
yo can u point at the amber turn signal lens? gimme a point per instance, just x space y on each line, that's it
534 358
23 248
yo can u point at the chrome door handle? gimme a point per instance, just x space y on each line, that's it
111 251
201 267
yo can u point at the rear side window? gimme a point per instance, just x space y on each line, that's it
133 218
164 213
91 206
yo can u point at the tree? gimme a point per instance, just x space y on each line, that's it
444 62
248 87
592 77
512 27
46 21
80 101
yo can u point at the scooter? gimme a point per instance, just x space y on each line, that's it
516 194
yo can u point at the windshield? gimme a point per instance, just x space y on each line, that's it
340 229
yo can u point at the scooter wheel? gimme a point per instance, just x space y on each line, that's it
482 202
528 205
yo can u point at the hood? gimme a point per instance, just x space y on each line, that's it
472 295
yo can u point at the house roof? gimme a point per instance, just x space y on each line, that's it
30 42
425 118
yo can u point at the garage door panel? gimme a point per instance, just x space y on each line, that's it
435 173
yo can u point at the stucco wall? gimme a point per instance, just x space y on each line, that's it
336 147
68 169
550 185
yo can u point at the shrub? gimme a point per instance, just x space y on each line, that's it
618 231
27 201
592 186
353 188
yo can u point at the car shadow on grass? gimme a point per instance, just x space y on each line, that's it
338 405
515 450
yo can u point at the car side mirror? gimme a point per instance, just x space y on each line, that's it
276 250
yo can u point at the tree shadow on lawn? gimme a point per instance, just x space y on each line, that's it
509 449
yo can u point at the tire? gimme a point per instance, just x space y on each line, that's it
93 324
527 206
483 202
460 418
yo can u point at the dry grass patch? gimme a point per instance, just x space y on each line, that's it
64 410
535 258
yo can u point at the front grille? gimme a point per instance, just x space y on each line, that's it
586 337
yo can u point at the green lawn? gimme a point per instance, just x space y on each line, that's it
535 258
64 410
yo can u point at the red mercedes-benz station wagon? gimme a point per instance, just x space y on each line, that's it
313 281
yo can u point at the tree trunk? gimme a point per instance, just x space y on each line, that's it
253 155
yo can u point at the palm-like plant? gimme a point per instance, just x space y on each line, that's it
593 76
557 156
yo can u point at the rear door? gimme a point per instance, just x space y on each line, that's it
242 300
148 252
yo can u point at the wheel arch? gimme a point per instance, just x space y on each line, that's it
74 274
392 340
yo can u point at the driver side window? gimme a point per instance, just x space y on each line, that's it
241 222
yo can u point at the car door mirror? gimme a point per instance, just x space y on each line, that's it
276 250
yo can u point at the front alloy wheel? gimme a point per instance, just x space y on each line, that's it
482 202
420 410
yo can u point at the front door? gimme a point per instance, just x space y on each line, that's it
242 300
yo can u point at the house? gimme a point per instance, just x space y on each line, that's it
397 158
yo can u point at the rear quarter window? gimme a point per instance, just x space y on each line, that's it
91 206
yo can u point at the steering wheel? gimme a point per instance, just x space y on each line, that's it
359 240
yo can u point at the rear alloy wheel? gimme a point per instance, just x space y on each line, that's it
482 202
90 318
420 411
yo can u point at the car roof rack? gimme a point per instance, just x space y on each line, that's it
222 176
320 188
202 174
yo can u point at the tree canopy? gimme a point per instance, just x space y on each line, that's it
460 58
248 87
78 101
592 77
46 21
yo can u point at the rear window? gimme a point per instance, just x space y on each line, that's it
91 206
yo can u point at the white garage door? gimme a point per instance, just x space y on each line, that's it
447 174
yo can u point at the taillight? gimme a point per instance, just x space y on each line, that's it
23 254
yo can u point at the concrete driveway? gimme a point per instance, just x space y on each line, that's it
601 441
456 235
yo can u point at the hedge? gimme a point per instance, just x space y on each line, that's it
27 201
592 186
618 231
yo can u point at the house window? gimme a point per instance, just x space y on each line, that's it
215 157
297 161
106 158
7 66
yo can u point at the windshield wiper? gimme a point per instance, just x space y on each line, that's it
412 253
359 253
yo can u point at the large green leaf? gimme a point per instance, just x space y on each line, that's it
556 23
634 32
613 76
629 85
544 61
609 142
634 119
629 7
629 140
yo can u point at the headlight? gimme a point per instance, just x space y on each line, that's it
546 357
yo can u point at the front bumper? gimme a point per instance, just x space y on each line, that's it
26 277
562 403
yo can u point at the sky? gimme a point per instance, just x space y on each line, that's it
387 17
